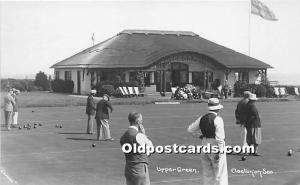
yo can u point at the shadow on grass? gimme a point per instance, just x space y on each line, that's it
81 139
71 132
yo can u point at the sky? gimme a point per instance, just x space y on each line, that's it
35 35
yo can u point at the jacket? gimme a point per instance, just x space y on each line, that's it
102 109
90 106
253 119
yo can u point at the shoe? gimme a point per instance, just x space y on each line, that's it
257 154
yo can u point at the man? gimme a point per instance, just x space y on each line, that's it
102 117
225 89
253 125
9 104
241 116
136 168
90 111
16 107
211 126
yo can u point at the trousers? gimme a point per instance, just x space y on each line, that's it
103 131
15 118
244 135
90 124
137 174
8 118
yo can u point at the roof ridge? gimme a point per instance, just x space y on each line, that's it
158 32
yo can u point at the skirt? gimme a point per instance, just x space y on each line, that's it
254 136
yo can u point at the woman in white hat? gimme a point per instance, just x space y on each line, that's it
211 126
253 125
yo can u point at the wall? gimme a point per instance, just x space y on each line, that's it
85 81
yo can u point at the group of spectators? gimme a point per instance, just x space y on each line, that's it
11 108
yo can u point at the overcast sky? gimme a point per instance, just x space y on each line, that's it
36 35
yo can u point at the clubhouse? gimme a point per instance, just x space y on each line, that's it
165 58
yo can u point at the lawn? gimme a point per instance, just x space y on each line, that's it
64 156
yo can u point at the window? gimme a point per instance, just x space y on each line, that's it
242 76
56 75
68 75
198 78
132 76
210 76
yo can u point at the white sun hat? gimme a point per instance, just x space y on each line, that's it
214 104
253 97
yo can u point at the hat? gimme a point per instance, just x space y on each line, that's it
93 91
247 94
106 95
214 104
17 91
252 97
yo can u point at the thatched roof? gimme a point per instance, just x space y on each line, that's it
142 48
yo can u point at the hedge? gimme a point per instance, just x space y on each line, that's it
261 90
20 84
62 86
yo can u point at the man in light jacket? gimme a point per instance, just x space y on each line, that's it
9 104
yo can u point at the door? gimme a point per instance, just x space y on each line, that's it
78 82
176 78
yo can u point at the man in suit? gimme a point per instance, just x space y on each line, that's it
253 125
241 116
9 104
211 126
136 168
102 117
90 111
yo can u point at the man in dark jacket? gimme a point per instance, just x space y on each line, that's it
241 115
90 111
102 117
253 125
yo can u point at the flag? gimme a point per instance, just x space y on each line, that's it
93 39
258 8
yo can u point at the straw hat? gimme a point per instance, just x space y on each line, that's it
93 91
253 97
214 104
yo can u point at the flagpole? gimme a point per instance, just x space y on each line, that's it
249 30
93 39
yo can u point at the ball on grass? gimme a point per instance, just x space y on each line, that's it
290 152
243 158
20 127
93 145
